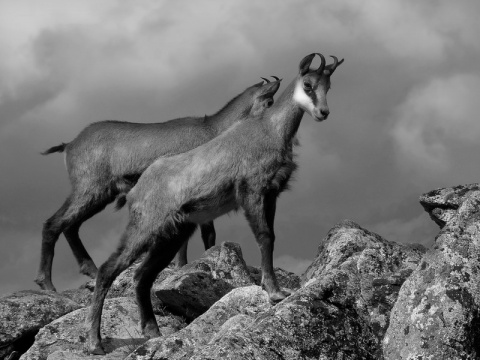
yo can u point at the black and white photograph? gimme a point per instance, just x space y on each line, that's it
248 180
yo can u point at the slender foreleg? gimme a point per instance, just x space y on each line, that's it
181 257
208 237
260 213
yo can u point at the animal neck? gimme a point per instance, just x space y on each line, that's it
286 115
234 110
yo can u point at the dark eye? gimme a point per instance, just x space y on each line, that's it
269 103
307 86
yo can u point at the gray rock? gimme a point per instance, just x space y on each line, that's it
23 313
66 336
81 296
437 314
376 267
246 301
341 312
319 321
442 204
191 290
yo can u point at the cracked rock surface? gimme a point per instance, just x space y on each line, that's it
437 313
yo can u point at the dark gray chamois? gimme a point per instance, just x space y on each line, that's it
106 159
245 167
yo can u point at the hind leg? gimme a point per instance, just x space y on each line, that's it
74 211
157 259
130 249
52 228
85 262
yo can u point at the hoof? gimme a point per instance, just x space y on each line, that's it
278 296
151 331
96 350
45 285
89 269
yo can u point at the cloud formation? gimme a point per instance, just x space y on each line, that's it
432 118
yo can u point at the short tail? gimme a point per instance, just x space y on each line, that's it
58 148
121 201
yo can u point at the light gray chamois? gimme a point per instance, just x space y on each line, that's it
246 167
106 159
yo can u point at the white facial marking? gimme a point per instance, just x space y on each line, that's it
302 99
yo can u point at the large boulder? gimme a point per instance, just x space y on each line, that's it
340 312
191 290
319 321
376 267
246 301
437 314
66 336
23 313
442 204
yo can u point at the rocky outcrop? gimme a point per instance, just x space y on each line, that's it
66 336
193 289
24 313
363 297
246 301
437 313
341 311
375 267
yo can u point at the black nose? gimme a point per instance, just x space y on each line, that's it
325 112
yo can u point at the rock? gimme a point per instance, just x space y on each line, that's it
286 279
246 301
319 321
124 285
81 296
442 204
191 290
23 313
437 314
66 336
376 267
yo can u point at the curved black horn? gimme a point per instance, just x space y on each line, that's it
322 64
304 66
265 79
335 64
276 78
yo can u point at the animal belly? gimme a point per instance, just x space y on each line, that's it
205 215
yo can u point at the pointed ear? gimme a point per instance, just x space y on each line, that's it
257 84
305 64
268 90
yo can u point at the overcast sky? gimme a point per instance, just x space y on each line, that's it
404 108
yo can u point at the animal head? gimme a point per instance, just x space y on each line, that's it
311 86
263 96
253 101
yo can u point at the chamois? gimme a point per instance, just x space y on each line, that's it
105 160
245 167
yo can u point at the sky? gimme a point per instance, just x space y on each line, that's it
403 109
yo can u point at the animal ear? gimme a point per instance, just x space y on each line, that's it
268 90
305 64
258 84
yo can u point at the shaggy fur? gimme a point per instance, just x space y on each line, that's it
106 159
245 167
